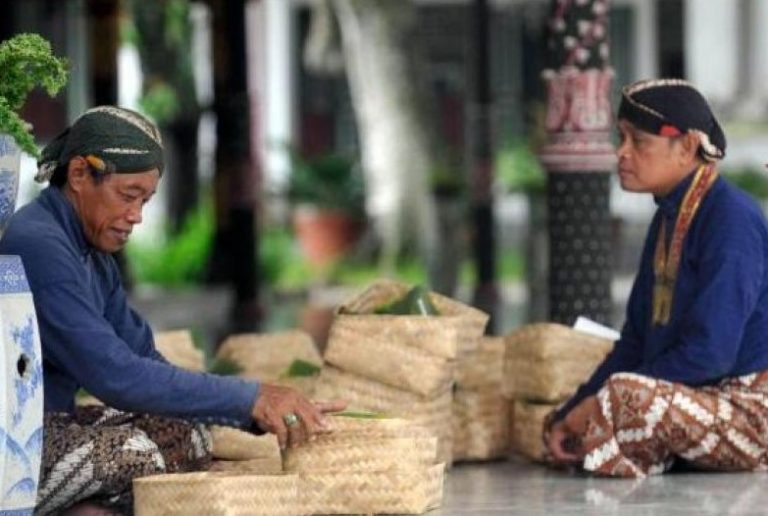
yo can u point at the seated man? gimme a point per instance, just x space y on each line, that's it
688 378
102 170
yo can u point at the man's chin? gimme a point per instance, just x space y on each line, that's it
629 186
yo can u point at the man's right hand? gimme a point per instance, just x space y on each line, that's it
560 443
277 406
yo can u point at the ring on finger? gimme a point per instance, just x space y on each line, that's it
290 419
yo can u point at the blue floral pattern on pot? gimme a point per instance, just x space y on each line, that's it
10 161
21 403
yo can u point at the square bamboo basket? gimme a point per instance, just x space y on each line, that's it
217 494
547 362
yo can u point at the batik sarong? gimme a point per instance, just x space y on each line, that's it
96 453
646 424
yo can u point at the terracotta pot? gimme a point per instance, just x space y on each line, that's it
324 235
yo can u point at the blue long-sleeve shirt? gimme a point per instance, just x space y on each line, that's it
90 337
719 322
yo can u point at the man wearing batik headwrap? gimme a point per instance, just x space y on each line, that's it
687 380
102 170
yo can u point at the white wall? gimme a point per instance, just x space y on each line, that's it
712 47
279 90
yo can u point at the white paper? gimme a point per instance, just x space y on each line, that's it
586 325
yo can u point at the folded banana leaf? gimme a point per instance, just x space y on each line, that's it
415 302
301 368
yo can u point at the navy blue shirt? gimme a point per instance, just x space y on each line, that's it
719 322
90 336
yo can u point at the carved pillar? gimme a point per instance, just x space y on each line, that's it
579 158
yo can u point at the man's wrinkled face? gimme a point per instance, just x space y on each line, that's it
647 162
109 209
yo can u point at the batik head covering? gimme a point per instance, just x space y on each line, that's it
672 107
112 139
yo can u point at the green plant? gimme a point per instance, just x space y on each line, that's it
519 170
752 181
329 181
26 61
181 260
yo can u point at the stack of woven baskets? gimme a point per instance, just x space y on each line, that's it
544 365
268 357
367 466
480 413
401 365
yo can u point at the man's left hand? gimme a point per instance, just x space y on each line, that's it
289 415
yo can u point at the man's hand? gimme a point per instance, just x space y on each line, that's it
562 444
277 407
563 438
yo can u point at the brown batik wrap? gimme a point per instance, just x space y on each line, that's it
96 453
645 424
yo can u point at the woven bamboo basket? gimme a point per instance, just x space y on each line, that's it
382 291
528 429
385 359
265 466
365 394
483 368
362 394
348 429
216 494
547 362
481 425
266 357
396 491
179 349
365 445
303 384
374 455
233 444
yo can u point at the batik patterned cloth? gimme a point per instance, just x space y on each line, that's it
646 424
96 453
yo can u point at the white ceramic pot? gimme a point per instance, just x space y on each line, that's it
21 392
10 161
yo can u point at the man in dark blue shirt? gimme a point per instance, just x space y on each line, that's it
689 375
102 170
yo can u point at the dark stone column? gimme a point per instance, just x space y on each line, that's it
236 178
480 158
579 158
103 29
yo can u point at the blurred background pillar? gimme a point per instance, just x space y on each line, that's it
579 158
481 164
104 34
236 178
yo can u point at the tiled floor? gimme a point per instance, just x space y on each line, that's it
517 488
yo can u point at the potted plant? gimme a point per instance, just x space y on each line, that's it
26 61
327 195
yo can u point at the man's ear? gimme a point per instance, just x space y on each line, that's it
690 146
77 173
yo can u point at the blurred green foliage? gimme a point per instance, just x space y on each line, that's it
181 259
160 102
518 169
328 181
752 181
